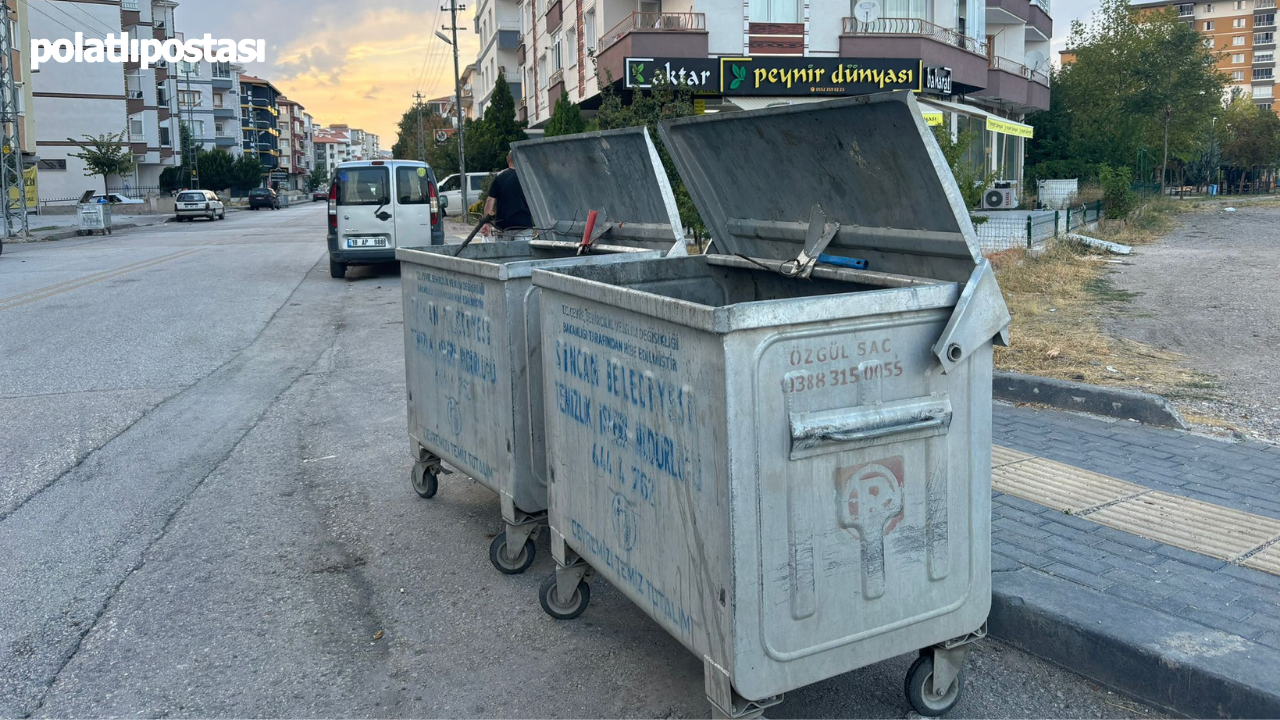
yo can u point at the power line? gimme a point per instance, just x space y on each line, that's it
68 15
109 30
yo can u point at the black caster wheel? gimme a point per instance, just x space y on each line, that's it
559 610
423 479
920 690
507 565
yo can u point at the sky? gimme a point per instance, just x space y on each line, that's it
359 63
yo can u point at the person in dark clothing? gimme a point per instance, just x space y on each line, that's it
507 206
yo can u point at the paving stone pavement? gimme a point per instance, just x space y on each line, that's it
1214 593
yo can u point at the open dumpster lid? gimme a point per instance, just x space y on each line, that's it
869 163
617 173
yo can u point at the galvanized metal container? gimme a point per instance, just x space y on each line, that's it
791 476
472 326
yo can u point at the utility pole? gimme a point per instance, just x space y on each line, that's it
191 131
422 144
457 100
11 177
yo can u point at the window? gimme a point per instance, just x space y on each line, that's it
788 11
1262 73
1208 42
197 129
1237 58
188 68
284 145
1263 38
542 71
1208 25
1262 91
1261 57
589 25
137 132
412 186
1237 40
1239 4
1264 20
1208 8
217 99
556 55
1264 106
164 137
571 47
362 186
1237 75
1237 23
188 98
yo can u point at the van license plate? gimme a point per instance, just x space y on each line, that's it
366 242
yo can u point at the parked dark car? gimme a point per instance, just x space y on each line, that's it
263 198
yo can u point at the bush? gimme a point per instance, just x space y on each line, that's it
1117 191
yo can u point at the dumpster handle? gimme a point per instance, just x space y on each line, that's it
814 433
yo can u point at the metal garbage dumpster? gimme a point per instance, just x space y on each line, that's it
782 452
471 321
93 216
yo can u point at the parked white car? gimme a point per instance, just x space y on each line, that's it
115 199
451 188
192 204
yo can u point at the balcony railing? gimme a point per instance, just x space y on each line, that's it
1044 5
999 63
222 71
914 26
1261 21
670 22
1186 10
1262 4
509 25
1264 38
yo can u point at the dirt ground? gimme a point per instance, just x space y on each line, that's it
1210 290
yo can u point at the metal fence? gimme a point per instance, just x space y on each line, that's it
1006 231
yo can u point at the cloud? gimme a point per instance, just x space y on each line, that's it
373 93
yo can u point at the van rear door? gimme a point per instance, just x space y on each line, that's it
413 206
365 215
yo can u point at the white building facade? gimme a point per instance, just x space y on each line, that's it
208 101
497 22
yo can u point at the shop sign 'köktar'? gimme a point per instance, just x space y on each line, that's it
759 75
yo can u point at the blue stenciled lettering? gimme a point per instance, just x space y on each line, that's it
578 363
573 404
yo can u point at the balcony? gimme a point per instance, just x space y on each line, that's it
647 34
1263 4
915 38
554 15
1264 38
1264 21
1015 86
1186 11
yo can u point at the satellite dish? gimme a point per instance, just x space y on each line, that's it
867 11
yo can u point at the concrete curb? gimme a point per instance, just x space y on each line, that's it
71 232
1174 663
1079 397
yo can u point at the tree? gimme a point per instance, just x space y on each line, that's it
105 155
1140 79
500 116
408 144
664 101
973 180
566 118
216 170
315 179
172 178
1253 138
246 173
190 151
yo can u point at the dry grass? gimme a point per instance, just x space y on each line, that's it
1057 299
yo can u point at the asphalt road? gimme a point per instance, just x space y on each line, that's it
205 511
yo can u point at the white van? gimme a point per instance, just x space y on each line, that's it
376 206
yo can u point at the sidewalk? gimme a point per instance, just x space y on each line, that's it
55 227
1146 558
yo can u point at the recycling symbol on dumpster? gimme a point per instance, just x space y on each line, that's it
869 502
455 416
626 524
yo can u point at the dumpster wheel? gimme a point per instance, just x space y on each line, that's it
920 691
500 557
424 481
551 603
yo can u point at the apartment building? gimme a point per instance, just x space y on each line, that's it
1244 32
468 97
330 148
260 121
296 159
497 22
209 104
976 63
362 145
77 99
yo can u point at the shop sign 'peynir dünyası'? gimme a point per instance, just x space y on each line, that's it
758 75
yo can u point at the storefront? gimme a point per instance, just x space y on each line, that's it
727 84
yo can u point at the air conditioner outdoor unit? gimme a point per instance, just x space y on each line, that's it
160 24
1002 196
162 63
135 95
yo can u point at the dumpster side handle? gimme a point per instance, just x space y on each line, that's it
980 316
815 433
